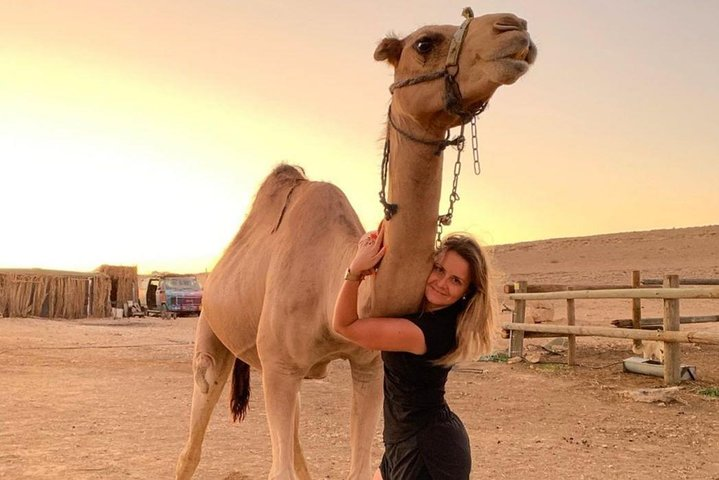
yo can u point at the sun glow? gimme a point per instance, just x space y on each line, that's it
109 162
106 154
138 133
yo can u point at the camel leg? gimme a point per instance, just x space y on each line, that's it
366 408
300 462
281 390
211 365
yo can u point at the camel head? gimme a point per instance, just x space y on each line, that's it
495 50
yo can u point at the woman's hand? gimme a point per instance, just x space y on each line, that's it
374 333
370 251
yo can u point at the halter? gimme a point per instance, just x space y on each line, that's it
453 97
453 105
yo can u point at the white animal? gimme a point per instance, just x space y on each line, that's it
539 312
651 350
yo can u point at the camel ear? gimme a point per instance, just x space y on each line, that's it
389 49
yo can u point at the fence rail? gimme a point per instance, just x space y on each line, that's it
587 331
643 293
686 281
670 294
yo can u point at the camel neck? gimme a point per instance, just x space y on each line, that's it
414 185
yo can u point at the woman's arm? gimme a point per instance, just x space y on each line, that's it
375 333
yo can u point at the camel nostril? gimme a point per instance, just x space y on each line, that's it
509 23
503 27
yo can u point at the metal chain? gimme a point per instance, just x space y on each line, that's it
389 208
446 219
475 146
458 142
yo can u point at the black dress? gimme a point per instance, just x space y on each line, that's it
423 438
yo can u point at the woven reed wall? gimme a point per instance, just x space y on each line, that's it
54 294
126 282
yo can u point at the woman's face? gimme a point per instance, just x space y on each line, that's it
448 281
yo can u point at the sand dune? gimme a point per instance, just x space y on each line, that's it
610 258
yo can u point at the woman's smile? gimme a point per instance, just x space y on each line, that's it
448 281
438 290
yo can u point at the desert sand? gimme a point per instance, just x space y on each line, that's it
110 399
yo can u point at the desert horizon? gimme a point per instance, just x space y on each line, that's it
508 256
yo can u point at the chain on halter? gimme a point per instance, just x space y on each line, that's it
453 104
389 208
446 219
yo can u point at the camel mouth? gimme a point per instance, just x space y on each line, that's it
522 54
521 50
518 65
526 54
516 62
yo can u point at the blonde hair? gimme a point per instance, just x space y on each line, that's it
475 324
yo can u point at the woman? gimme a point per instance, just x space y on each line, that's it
423 438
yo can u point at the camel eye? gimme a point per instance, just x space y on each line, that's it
424 45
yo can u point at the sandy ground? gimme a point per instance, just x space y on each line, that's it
110 399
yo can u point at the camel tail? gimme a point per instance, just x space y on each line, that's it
240 394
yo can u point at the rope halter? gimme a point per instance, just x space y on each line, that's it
453 105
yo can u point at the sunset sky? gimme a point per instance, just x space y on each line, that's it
136 133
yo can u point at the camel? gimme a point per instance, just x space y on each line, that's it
268 303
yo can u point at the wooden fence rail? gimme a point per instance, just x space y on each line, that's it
670 294
710 338
656 293
655 323
686 281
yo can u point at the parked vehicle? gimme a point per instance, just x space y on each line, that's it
171 294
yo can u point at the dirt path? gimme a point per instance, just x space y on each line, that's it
102 399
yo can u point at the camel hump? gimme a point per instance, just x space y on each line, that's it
271 199
282 177
280 183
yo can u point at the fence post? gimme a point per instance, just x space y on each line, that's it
572 339
636 310
516 338
672 362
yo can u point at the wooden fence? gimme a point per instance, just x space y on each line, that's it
670 293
